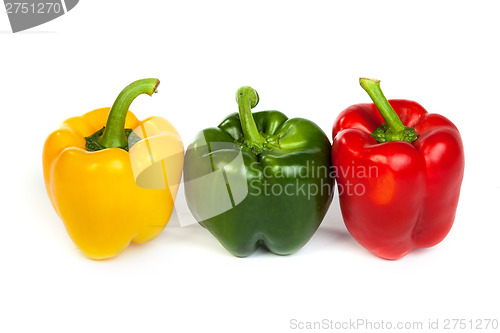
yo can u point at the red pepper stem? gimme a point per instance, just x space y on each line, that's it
391 119
247 98
114 133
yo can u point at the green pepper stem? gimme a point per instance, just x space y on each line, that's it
391 119
114 133
247 98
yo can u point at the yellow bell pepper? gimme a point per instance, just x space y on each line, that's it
107 193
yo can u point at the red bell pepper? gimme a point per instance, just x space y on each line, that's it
399 170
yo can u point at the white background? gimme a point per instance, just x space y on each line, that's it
304 58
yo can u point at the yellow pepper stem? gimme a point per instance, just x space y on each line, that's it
114 132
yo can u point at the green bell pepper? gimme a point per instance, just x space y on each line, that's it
259 179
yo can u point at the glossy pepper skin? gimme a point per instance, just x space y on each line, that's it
95 192
396 195
275 174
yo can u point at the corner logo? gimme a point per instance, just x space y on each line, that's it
26 14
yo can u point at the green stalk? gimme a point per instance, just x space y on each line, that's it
114 133
393 129
247 98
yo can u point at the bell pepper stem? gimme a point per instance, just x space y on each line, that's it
247 98
394 129
391 119
114 133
